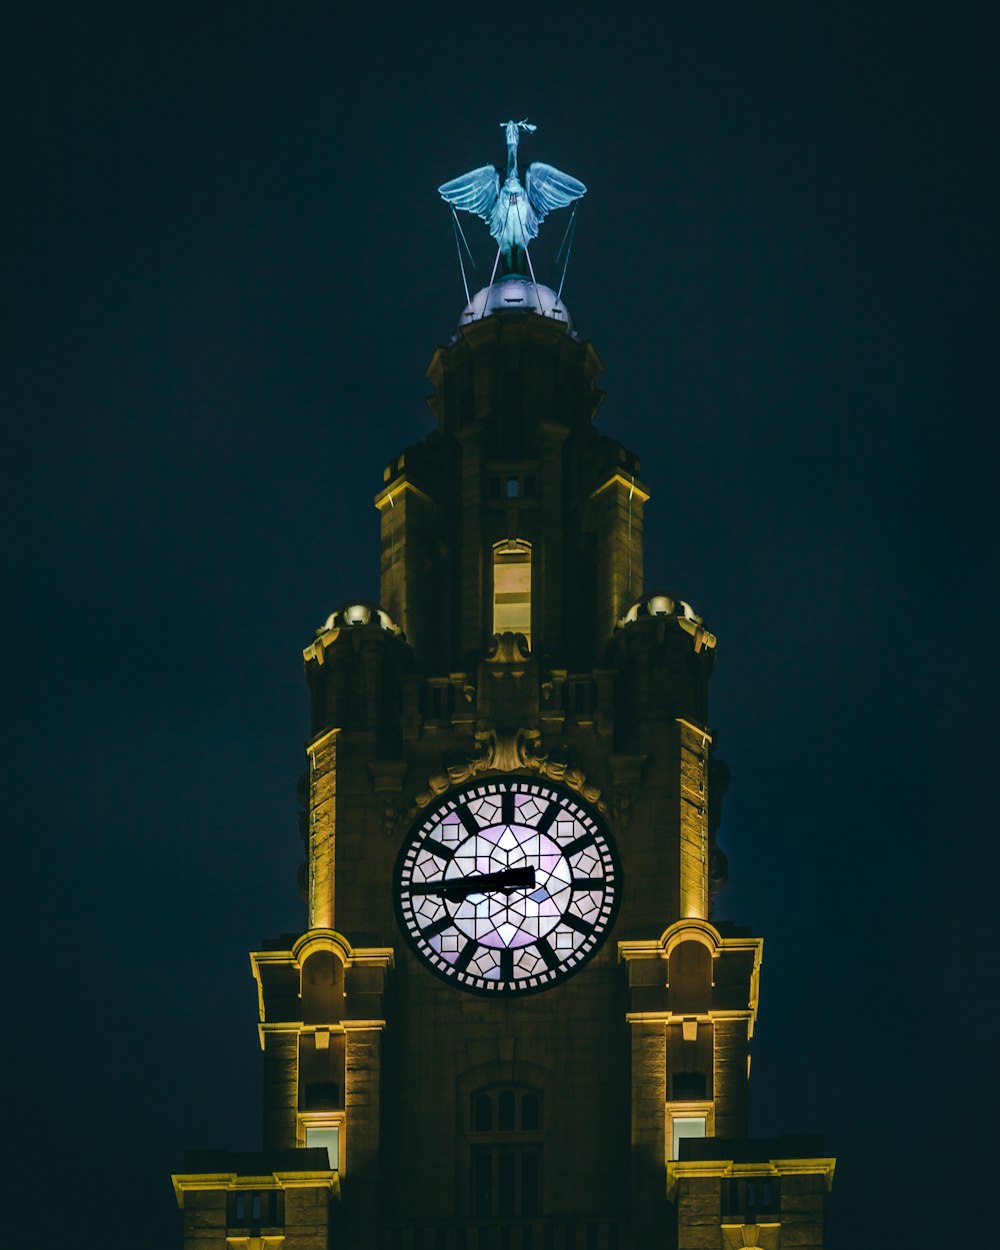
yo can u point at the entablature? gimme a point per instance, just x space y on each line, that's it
723 1168
692 970
321 980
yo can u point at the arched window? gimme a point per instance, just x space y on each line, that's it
505 1133
512 588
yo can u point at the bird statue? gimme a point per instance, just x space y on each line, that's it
513 211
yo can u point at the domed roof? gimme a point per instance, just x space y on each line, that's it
515 293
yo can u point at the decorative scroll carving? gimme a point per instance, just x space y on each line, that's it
508 753
387 782
750 1236
558 765
390 812
621 805
508 648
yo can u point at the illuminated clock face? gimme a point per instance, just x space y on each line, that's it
506 887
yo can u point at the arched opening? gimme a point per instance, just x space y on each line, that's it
322 988
690 970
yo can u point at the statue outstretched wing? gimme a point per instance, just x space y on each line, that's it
548 188
512 214
474 192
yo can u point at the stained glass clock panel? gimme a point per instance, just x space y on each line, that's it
507 886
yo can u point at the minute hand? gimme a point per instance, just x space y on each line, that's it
510 879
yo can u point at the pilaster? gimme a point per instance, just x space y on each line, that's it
322 855
321 1020
692 1003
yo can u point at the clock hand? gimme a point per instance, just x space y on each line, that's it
458 891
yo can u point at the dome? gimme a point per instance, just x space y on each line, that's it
661 603
516 293
359 612
667 606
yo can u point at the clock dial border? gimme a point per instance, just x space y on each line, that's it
554 965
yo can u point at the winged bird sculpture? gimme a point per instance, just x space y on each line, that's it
513 211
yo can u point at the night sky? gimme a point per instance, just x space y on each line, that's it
230 268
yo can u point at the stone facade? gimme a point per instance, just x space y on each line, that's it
405 1079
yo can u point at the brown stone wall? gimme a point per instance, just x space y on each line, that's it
648 1183
281 1090
731 1049
802 1212
693 820
204 1219
322 841
699 1214
569 1043
307 1219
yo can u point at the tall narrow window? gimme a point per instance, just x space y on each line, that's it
512 588
256 1209
506 1142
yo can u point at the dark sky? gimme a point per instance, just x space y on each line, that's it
230 268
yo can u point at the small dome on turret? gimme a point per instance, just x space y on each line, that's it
665 605
358 612
513 292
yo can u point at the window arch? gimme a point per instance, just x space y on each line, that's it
512 588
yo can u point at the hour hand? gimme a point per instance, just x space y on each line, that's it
510 879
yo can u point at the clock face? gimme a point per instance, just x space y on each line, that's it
506 887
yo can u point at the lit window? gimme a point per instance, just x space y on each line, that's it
512 588
686 1126
512 488
328 1137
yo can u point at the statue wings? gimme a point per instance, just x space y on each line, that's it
474 192
511 221
549 188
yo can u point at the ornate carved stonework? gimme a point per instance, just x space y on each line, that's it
508 753
508 648
621 805
750 1236
390 810
387 782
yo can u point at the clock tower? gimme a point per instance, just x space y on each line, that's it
510 1021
